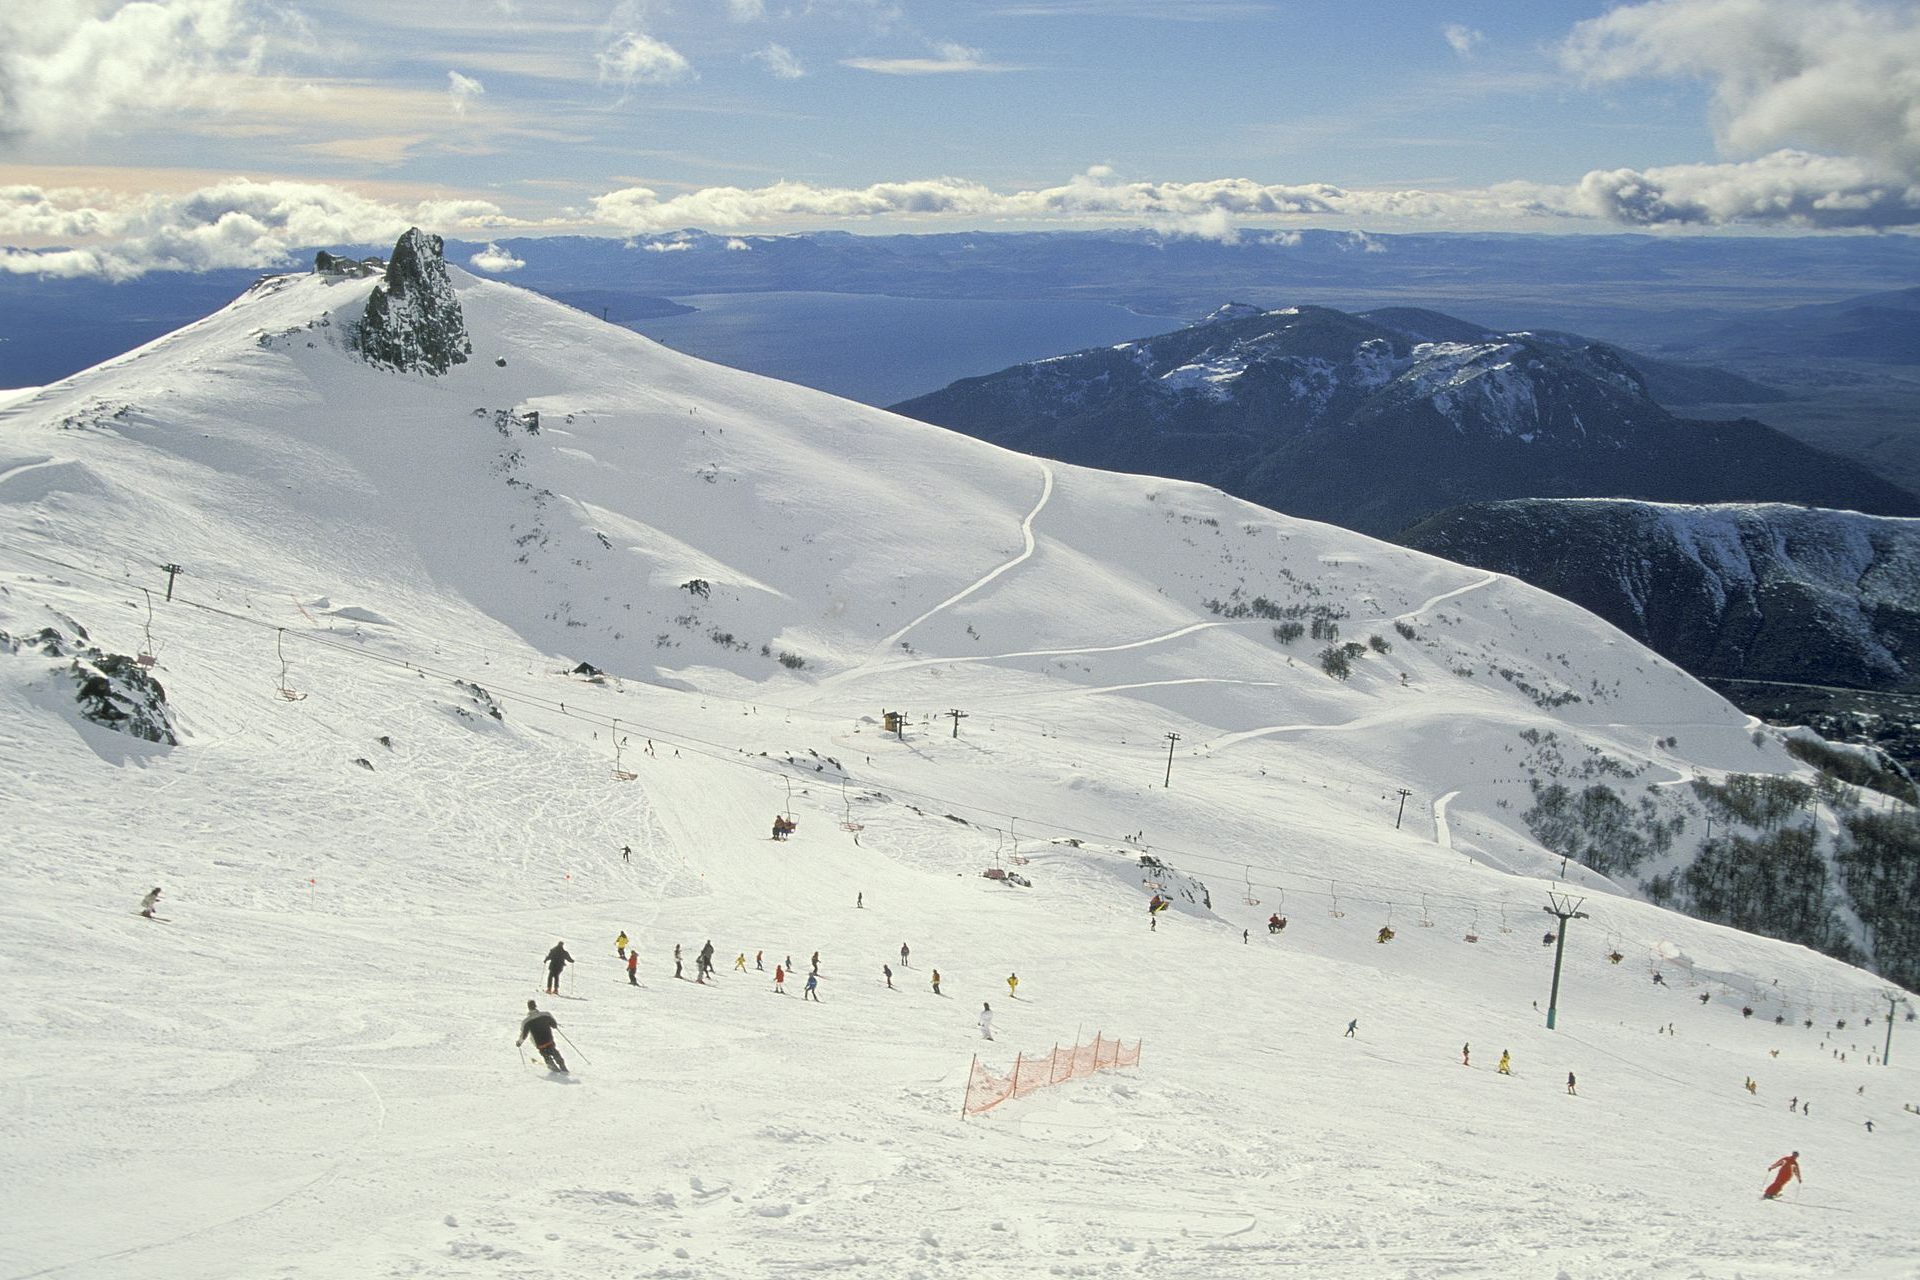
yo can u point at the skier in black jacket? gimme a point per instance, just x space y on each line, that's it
541 1025
557 959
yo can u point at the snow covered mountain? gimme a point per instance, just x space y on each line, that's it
1768 592
463 658
1374 421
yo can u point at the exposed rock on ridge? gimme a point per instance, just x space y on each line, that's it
413 322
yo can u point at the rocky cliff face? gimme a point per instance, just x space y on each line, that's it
413 322
112 690
1374 422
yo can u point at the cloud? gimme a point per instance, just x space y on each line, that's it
636 58
746 10
737 245
237 223
1209 208
1839 76
1463 39
495 260
66 69
1788 188
780 62
462 90
949 58
668 246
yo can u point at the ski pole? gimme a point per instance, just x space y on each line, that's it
571 1045
522 1052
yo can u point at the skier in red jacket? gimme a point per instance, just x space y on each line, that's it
1789 1167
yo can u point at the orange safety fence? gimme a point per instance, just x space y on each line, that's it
987 1088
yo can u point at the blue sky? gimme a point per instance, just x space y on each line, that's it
221 132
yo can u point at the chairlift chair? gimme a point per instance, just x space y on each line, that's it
1250 899
1333 891
146 657
285 691
1426 921
620 772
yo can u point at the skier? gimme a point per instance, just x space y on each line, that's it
812 991
626 853
756 961
557 959
740 963
1013 986
1570 1083
703 965
903 955
860 899
676 961
1789 1167
1353 1025
1869 1126
779 981
888 971
150 902
1385 935
1546 939
620 944
1506 1063
1243 936
633 964
1659 981
541 1026
986 1020
936 982
1793 1103
1466 1051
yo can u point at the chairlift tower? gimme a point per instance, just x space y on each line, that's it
1564 907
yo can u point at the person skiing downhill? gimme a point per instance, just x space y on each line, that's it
557 959
936 982
676 961
1789 1170
705 963
1013 986
1570 1084
986 1020
740 963
1506 1063
633 963
1466 1052
779 980
150 902
541 1025
888 971
903 955
812 992
620 944
1353 1025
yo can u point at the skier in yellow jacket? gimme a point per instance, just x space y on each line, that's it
1013 986
1506 1063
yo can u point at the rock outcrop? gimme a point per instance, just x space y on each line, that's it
112 689
413 322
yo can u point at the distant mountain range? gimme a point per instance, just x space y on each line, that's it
1883 328
1379 419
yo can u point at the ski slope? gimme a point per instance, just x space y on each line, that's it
309 1070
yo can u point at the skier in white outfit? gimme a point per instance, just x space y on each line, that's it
151 902
986 1020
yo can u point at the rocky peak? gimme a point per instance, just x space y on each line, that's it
331 264
413 322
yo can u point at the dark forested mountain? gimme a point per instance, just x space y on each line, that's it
1377 420
1800 616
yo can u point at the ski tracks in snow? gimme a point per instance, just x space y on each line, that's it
1444 596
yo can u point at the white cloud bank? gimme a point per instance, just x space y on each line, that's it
949 59
779 61
67 67
1817 104
239 223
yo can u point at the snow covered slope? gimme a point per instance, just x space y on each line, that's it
426 627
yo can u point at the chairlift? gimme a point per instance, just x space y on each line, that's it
1250 899
146 656
620 772
846 807
1333 891
1426 921
1473 930
1013 836
1503 919
290 694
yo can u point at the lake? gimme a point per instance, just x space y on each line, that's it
881 350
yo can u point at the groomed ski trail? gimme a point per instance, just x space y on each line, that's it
1026 553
